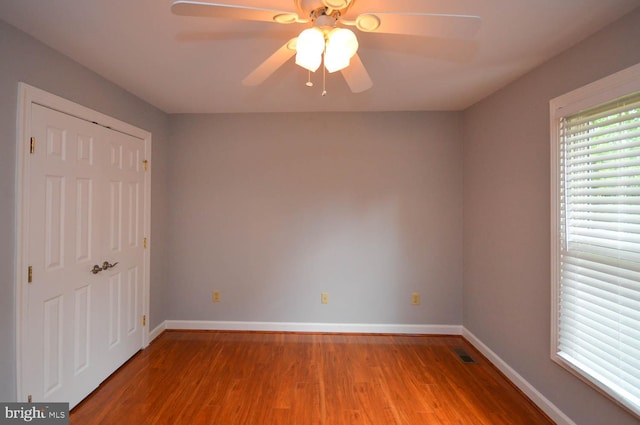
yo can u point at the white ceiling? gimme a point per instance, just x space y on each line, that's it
190 64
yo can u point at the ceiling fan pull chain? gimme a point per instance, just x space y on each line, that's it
309 83
324 80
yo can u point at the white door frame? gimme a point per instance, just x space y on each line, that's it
28 95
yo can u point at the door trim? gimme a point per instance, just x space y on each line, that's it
28 95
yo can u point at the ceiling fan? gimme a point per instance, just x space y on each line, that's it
327 40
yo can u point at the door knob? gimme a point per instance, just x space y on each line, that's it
107 266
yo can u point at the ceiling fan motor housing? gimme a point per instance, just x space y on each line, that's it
325 22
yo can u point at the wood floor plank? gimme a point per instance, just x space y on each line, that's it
312 379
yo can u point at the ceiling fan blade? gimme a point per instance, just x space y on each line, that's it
357 76
336 4
419 24
275 61
232 11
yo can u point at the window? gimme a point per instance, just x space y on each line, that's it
595 145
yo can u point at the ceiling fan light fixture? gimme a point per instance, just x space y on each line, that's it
342 44
309 62
309 48
335 63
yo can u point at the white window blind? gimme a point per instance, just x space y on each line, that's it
598 293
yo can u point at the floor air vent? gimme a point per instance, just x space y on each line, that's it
463 355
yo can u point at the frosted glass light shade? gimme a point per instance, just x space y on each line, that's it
309 49
342 44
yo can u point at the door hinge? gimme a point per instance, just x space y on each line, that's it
29 398
32 145
144 243
145 165
29 274
144 320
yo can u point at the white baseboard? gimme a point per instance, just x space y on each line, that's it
157 331
314 327
541 401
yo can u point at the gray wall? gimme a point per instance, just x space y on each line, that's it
24 59
507 217
273 209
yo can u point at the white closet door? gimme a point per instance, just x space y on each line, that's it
122 245
86 208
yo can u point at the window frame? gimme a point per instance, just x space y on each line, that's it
600 92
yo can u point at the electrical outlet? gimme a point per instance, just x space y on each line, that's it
215 297
324 298
415 298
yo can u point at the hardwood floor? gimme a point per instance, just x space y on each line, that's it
229 378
